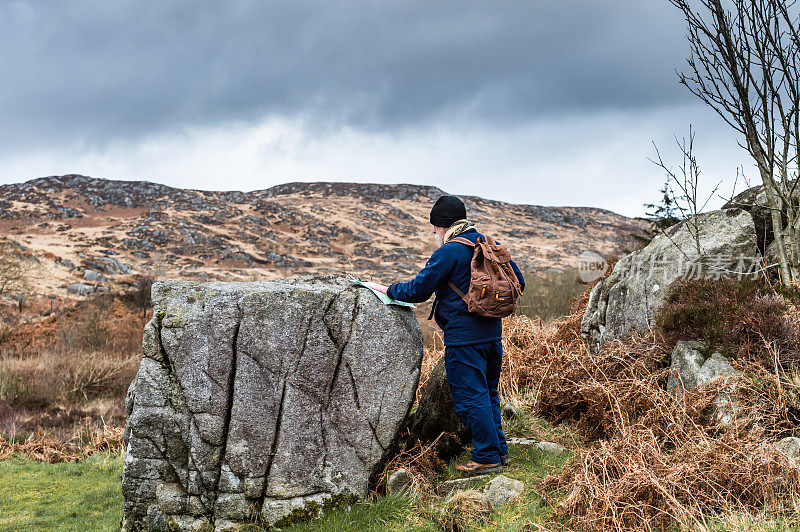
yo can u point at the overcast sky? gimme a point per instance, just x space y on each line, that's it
549 102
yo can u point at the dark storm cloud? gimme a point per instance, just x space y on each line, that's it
90 71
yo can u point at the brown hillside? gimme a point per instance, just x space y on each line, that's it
74 223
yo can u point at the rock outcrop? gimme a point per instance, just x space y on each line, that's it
628 299
498 492
502 489
256 400
695 364
790 445
399 483
754 201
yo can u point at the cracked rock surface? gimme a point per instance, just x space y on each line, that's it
714 245
253 399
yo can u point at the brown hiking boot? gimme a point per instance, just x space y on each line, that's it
474 468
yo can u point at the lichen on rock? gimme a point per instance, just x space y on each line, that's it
628 300
263 400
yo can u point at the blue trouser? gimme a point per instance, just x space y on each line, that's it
473 372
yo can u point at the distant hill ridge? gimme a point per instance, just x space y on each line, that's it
374 230
114 191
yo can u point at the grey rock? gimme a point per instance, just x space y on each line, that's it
223 525
108 265
399 482
171 499
80 289
549 447
91 275
502 489
435 416
629 299
255 399
116 265
772 257
771 254
714 367
692 367
791 447
66 263
754 200
546 446
688 358
510 411
527 442
451 486
273 510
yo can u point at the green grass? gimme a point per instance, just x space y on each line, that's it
86 496
39 496
749 523
402 513
36 496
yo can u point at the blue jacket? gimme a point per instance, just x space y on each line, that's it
451 262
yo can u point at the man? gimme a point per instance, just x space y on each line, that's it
473 348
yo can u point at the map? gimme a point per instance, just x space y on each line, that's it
379 290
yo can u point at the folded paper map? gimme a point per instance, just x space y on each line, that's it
379 290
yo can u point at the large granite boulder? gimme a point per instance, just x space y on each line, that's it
258 400
435 416
628 299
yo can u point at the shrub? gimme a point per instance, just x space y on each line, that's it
43 446
141 294
95 330
421 464
104 323
16 267
743 317
65 379
548 295
659 461
654 462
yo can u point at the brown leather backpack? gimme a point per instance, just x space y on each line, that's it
493 286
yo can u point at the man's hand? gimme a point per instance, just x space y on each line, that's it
378 287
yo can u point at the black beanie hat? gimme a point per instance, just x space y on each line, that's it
447 210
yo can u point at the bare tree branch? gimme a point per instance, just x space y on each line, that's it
15 269
743 64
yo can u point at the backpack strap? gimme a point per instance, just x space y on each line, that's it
467 242
462 240
457 291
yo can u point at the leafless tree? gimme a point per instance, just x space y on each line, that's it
141 292
686 180
14 269
744 63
